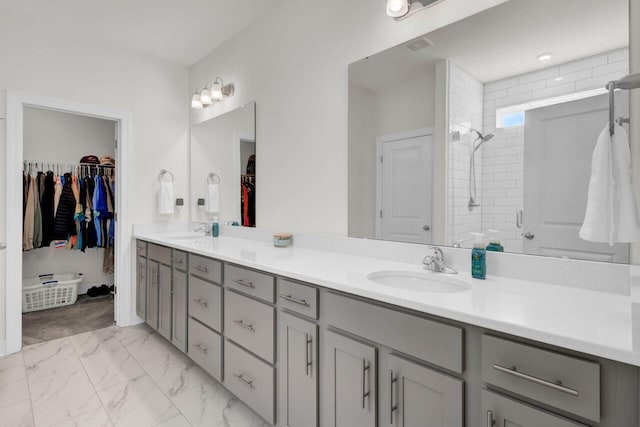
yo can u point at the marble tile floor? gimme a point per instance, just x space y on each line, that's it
113 377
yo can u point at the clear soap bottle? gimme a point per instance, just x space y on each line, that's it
494 241
478 257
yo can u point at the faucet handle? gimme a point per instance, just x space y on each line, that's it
436 252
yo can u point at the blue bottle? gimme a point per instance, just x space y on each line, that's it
478 257
494 241
215 227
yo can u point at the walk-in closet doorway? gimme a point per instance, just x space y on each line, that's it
17 104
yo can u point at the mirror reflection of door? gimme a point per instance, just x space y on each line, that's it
559 142
404 189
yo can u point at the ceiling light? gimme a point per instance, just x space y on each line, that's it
205 96
195 100
397 8
544 57
216 90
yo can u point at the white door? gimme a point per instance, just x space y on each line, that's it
559 142
405 190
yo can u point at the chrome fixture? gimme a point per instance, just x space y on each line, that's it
212 93
163 173
472 167
458 243
203 227
632 81
401 9
435 261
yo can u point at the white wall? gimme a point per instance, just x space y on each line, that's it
153 91
293 63
53 135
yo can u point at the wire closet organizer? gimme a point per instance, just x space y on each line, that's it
60 168
629 82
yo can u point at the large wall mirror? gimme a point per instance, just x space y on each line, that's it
488 124
223 162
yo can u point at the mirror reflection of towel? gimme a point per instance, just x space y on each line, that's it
165 198
212 201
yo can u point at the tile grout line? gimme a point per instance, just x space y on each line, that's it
26 378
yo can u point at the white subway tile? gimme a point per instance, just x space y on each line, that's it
496 94
583 64
521 88
549 92
538 75
599 81
619 55
500 84
571 77
613 67
513 99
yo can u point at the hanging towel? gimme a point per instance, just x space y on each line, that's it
612 212
165 198
213 198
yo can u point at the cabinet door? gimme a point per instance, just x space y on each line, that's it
141 287
298 346
164 301
179 322
152 293
498 410
421 397
352 381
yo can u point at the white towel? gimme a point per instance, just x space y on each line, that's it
612 213
165 198
212 201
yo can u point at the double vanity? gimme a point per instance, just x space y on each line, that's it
310 336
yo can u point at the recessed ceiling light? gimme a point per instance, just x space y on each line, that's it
543 57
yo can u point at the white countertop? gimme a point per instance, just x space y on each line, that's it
593 322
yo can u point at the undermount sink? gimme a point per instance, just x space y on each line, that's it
421 282
192 236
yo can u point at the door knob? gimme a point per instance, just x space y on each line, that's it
426 227
529 235
3 246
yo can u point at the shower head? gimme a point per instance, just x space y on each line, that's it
482 138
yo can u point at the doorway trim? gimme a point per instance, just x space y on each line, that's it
16 101
379 141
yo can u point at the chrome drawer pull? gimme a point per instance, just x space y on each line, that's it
241 323
243 283
490 421
556 386
292 299
392 407
307 352
205 304
201 268
244 381
202 348
363 372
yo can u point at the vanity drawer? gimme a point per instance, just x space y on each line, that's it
426 339
561 381
205 302
297 297
179 259
162 254
250 282
251 380
207 268
205 348
141 248
250 323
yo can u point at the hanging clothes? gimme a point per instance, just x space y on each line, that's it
37 216
56 195
46 207
64 225
29 216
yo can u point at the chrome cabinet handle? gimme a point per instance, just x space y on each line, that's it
392 407
555 386
307 352
201 268
247 326
205 304
243 283
202 348
490 420
529 235
363 371
243 380
296 300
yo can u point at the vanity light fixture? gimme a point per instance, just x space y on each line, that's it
215 92
401 9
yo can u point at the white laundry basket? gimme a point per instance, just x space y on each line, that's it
49 291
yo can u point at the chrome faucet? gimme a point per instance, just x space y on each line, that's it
203 226
458 243
435 261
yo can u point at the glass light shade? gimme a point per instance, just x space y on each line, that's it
397 8
195 101
216 91
205 97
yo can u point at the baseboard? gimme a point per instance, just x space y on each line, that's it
3 347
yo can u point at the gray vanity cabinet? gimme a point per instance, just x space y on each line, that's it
498 410
298 340
179 318
352 382
159 289
164 301
416 393
152 293
141 286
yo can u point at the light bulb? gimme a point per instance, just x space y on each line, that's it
195 100
205 97
397 8
216 91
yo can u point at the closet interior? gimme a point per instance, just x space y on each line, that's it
69 210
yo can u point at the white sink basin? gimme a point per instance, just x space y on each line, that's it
420 282
186 236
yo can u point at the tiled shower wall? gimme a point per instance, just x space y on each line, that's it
502 157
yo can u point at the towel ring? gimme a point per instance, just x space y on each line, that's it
211 178
163 172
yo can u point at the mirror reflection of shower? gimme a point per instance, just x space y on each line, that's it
477 143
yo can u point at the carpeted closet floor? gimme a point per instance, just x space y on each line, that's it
87 314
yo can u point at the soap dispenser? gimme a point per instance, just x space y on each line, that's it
478 255
215 227
494 241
